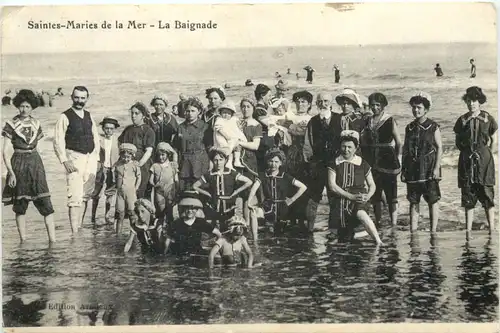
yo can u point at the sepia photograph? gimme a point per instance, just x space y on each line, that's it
250 167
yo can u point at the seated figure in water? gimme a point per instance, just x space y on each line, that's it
233 246
145 227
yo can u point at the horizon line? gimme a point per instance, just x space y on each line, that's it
252 47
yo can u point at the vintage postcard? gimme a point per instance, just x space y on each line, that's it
323 167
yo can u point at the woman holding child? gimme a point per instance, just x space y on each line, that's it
143 138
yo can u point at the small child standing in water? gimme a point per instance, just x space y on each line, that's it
227 133
146 228
233 245
128 180
164 178
421 167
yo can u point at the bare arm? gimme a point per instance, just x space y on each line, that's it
146 156
493 141
129 243
397 138
248 250
252 145
439 152
168 241
138 178
217 233
197 187
253 190
301 189
332 184
95 134
151 178
247 182
371 185
8 151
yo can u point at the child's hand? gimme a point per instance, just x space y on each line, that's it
361 198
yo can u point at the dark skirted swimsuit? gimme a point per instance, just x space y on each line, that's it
31 182
275 189
476 166
141 137
419 161
150 237
186 239
165 130
252 129
377 148
192 142
220 184
350 176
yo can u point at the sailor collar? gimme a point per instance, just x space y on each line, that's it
226 171
425 125
279 175
356 160
482 115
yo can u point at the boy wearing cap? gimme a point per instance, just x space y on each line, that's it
108 155
421 167
227 133
163 177
128 180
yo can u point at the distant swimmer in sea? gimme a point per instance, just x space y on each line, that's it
336 70
472 68
288 71
309 70
59 92
227 86
6 99
297 75
277 75
248 83
281 88
439 70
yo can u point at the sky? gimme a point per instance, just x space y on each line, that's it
241 25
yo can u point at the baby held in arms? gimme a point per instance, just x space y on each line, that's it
227 134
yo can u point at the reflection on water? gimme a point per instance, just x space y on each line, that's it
309 279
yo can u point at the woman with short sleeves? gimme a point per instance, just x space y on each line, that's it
26 180
143 138
162 122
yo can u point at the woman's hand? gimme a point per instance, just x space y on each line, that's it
69 166
288 201
12 181
435 174
361 198
217 127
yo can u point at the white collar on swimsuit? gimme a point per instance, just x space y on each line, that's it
356 160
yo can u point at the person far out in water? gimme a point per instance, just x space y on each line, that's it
439 70
233 246
347 176
146 228
472 69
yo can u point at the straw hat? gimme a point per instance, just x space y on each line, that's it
146 204
190 199
227 105
237 224
110 120
349 133
350 95
161 97
424 95
128 147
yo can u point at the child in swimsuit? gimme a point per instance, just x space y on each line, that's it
146 228
233 245
164 178
227 133
128 180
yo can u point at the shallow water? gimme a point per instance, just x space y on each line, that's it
302 279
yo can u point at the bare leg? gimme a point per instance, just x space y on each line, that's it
490 218
51 231
21 226
109 201
74 218
369 226
434 216
469 218
246 211
254 226
119 222
393 210
237 159
414 216
377 210
82 213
